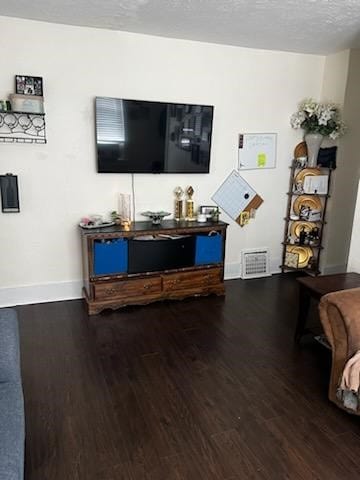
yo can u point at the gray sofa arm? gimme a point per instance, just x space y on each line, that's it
9 346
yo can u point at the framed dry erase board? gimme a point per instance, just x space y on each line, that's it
257 151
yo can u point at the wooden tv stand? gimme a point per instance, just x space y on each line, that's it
115 290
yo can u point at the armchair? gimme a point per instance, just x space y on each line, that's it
340 317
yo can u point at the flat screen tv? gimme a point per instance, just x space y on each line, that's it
136 136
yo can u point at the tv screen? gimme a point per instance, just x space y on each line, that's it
136 136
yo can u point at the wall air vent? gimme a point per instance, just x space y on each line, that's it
255 263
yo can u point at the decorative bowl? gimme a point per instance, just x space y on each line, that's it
156 217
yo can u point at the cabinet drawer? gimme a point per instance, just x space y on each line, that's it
191 280
128 288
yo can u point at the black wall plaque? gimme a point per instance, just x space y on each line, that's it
9 193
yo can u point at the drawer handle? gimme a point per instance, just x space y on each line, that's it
146 287
111 291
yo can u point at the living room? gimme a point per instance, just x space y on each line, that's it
93 384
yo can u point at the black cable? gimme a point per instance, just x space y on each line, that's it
133 196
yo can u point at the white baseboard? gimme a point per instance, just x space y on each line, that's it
275 265
233 270
354 266
49 292
54 292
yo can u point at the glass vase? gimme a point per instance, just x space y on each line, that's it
125 208
313 142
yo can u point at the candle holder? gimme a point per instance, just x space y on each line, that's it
125 209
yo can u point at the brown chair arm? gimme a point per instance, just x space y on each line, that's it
340 317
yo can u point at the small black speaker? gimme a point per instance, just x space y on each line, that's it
9 193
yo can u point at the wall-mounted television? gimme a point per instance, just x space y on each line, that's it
137 136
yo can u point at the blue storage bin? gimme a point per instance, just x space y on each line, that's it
110 256
208 249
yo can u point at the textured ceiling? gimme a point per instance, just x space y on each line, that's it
309 26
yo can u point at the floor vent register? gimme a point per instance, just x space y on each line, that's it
255 263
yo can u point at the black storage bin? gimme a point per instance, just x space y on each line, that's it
156 255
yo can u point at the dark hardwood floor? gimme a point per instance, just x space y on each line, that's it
201 389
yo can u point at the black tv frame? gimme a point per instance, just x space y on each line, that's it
149 170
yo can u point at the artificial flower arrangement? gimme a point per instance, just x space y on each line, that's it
316 117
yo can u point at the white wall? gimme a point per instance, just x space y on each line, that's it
334 90
252 90
354 255
346 176
335 77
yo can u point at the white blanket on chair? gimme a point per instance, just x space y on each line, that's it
348 391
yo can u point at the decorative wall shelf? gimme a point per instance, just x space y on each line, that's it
22 127
308 253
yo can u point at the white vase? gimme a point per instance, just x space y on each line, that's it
313 143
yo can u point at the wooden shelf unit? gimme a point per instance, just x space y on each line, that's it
317 248
116 290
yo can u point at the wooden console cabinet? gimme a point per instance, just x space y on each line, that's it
120 288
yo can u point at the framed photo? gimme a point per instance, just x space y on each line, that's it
9 193
26 85
291 260
209 210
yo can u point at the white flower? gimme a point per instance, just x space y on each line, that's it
318 117
297 119
324 117
309 106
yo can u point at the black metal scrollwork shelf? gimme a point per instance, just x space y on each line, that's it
22 127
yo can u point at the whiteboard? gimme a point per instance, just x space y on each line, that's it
257 151
234 195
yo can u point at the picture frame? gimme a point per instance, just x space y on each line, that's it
291 260
209 210
5 106
9 190
28 85
257 151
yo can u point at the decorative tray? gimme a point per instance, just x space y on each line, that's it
305 172
311 201
100 225
300 150
297 226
